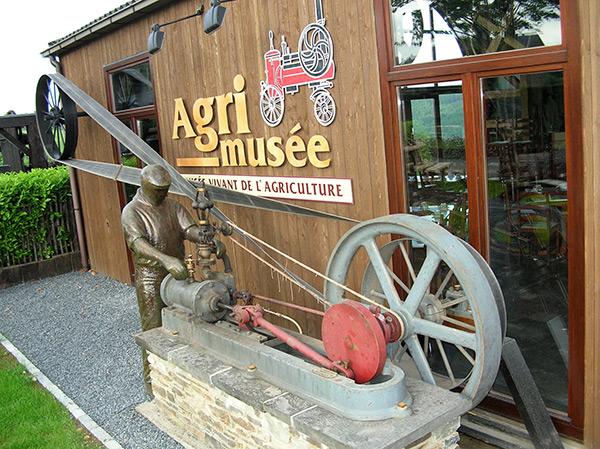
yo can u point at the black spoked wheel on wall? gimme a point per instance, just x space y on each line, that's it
56 115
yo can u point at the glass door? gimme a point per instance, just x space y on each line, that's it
524 138
512 175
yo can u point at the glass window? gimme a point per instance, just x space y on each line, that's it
433 30
147 129
433 140
524 121
132 87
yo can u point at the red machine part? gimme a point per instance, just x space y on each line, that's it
254 315
359 335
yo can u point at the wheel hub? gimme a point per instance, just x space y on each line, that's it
357 336
431 309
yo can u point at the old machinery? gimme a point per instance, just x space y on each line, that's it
428 307
441 324
56 115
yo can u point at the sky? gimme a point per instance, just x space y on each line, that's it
26 27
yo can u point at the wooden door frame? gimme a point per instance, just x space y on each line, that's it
564 57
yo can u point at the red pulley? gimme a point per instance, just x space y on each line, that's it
351 333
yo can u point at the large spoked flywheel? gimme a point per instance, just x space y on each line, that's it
56 115
449 304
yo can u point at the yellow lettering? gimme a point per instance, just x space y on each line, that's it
222 102
275 150
295 144
241 109
232 153
318 144
198 162
203 115
180 119
256 154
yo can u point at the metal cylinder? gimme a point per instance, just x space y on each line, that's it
199 298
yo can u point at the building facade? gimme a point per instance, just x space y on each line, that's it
480 116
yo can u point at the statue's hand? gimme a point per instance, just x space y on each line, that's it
176 267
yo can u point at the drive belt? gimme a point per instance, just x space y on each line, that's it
179 185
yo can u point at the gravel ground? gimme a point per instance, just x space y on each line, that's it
77 328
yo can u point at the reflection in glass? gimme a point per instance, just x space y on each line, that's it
527 200
147 129
433 141
432 30
132 87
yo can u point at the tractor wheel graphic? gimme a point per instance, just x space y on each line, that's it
316 49
272 104
324 108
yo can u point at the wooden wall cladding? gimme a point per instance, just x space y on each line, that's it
193 65
589 21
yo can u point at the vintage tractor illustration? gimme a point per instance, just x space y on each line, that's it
311 65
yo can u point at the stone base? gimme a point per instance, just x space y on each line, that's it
213 405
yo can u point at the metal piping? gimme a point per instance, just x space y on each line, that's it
83 252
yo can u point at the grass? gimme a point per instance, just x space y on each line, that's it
30 417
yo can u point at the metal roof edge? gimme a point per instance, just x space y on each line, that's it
96 28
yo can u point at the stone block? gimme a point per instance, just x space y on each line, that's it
246 387
225 407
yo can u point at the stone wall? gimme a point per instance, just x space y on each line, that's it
207 402
213 419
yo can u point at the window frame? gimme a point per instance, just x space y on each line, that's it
564 57
150 111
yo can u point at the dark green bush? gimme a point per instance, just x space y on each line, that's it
25 215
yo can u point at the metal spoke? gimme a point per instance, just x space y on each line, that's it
418 356
443 284
401 351
402 285
445 333
459 323
464 352
411 269
422 282
454 302
378 294
445 359
62 138
381 270
54 95
426 345
47 97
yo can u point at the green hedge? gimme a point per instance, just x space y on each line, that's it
25 215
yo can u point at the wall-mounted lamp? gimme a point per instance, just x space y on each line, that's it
156 36
215 15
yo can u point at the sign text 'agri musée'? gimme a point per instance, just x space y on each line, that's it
221 151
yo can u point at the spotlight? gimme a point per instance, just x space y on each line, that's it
156 36
214 17
155 39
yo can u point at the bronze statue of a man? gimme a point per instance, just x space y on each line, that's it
155 228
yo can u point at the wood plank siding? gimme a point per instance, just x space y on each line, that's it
589 22
192 65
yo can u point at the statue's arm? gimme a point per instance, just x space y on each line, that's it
137 242
173 265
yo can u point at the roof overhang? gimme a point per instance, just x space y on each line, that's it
128 12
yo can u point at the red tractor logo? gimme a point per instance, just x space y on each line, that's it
311 65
